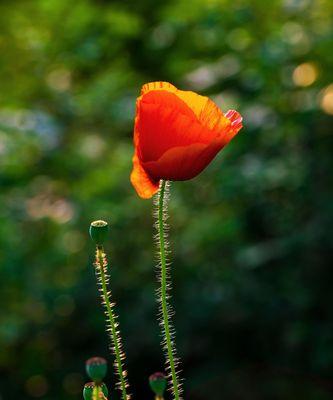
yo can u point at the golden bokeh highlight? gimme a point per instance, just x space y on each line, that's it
305 74
326 101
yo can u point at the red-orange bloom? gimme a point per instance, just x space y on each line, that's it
176 135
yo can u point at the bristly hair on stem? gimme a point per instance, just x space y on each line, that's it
101 269
163 274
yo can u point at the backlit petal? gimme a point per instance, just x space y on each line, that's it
206 111
163 122
177 134
183 163
236 121
142 182
158 86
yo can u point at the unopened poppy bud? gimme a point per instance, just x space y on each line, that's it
99 231
96 368
88 390
158 383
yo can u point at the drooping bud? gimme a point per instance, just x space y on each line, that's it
90 387
96 368
158 383
99 231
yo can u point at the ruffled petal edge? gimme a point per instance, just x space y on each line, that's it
236 121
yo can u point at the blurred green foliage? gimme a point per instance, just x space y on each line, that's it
252 235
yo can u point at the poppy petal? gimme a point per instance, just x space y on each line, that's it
236 121
167 124
176 135
167 99
158 86
206 111
195 101
183 163
141 181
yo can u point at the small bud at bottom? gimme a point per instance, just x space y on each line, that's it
158 383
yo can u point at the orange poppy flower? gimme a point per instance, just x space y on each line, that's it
176 135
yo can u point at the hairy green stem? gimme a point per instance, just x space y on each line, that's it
101 261
166 322
98 394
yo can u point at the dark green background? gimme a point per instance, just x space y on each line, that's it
251 236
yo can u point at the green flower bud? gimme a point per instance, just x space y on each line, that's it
88 390
158 383
99 231
96 368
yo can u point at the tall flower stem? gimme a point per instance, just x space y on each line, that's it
112 324
167 330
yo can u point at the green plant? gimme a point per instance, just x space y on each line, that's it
163 274
98 232
96 368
